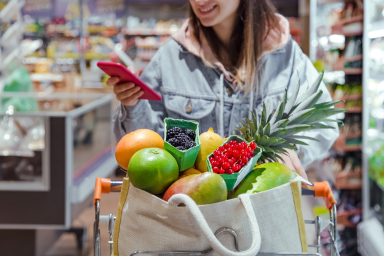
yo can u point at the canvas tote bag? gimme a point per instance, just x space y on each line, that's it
269 221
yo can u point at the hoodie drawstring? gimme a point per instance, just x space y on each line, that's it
221 131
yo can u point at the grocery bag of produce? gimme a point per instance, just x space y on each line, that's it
269 221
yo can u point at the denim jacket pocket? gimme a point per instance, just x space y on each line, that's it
181 106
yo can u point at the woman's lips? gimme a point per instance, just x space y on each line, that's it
207 10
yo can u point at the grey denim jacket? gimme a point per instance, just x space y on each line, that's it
183 79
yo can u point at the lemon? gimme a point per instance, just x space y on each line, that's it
209 142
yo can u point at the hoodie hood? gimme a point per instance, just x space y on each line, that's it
272 43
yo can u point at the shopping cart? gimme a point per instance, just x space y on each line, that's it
318 189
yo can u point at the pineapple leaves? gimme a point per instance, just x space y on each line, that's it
264 140
322 126
278 114
261 131
280 124
321 114
294 141
326 105
292 99
301 137
263 116
279 132
313 88
301 116
309 102
267 129
293 129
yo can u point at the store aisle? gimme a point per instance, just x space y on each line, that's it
66 245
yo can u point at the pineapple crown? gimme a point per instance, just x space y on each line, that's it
276 131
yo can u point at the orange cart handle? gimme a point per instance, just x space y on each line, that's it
105 185
322 189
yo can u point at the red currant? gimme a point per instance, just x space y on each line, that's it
221 171
239 147
244 144
253 145
227 145
243 152
215 163
221 149
226 166
216 169
216 153
249 158
231 162
238 167
230 151
221 161
236 153
249 150
244 159
233 142
229 171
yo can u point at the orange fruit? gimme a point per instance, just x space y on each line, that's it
133 142
153 170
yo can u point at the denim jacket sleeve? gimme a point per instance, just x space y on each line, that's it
146 114
326 137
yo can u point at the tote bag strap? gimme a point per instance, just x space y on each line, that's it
209 235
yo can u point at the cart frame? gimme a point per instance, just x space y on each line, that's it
320 189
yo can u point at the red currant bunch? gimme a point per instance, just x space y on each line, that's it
231 157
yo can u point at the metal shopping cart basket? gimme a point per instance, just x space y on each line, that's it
318 189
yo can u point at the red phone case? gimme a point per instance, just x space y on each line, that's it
116 69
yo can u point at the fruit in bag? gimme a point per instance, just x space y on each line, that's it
152 170
264 177
209 142
205 188
135 141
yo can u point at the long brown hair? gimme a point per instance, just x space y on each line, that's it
255 20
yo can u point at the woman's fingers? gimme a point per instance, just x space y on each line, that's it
133 100
127 93
122 87
112 81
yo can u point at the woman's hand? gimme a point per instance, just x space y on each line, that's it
292 161
127 93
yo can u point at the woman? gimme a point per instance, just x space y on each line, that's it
224 62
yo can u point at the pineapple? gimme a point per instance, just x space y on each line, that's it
276 131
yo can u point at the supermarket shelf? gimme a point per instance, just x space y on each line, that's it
379 76
355 110
349 20
349 187
353 71
355 96
342 217
349 148
321 2
146 32
377 25
339 65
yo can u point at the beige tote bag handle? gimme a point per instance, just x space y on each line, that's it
209 235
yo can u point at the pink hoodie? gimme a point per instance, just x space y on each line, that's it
185 37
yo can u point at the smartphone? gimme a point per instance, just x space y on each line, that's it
116 69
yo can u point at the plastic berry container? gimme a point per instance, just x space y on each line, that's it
184 158
232 180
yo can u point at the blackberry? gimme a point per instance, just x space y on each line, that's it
190 144
180 148
183 139
174 142
173 132
191 133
